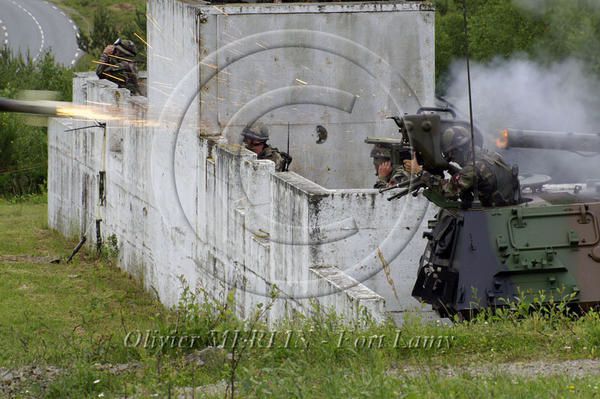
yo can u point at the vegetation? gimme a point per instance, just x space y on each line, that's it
80 319
102 22
545 31
23 148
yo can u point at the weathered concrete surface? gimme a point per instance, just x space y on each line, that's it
187 204
379 56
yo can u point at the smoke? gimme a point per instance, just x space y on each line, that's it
525 94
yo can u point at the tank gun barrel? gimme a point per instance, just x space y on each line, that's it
514 138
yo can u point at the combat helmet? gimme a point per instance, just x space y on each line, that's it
257 132
126 46
454 137
379 152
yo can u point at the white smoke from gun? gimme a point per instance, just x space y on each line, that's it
524 94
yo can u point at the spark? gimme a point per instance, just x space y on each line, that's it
139 37
121 58
104 63
169 85
221 11
113 76
160 91
84 112
163 57
153 21
209 65
301 81
98 103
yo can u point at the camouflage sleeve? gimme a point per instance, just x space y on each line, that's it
277 158
398 175
132 80
102 67
459 183
382 182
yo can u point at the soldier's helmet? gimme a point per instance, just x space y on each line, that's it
257 132
126 46
379 152
454 137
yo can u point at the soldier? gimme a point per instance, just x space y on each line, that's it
497 183
387 174
255 139
117 64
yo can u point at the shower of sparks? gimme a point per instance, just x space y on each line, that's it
85 113
221 11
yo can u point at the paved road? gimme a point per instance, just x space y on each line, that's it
36 26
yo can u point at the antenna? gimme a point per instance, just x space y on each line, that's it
475 190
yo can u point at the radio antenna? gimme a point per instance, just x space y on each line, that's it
466 30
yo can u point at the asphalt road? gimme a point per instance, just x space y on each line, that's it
36 26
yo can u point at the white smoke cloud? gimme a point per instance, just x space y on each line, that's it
524 94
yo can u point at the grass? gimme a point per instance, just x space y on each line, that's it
77 317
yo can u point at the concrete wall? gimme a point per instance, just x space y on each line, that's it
345 66
187 202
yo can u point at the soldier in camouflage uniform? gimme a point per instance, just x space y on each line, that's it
255 138
117 64
497 183
387 174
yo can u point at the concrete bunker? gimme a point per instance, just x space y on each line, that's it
186 202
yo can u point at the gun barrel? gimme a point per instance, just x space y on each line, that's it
27 107
514 138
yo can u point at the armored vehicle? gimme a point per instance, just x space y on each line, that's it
548 245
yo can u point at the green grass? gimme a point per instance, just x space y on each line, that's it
76 316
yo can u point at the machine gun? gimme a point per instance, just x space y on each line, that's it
399 147
422 135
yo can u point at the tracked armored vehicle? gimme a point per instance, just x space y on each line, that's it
548 245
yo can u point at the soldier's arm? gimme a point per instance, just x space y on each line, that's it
132 80
398 175
381 182
457 184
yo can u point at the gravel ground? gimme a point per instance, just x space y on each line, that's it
571 368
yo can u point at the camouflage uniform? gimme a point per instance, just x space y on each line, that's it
273 154
114 68
397 175
258 135
495 183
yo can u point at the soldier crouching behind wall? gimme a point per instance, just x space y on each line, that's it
117 64
255 139
387 173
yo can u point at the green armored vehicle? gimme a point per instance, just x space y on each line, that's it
546 244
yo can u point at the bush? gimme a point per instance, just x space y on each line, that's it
23 148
